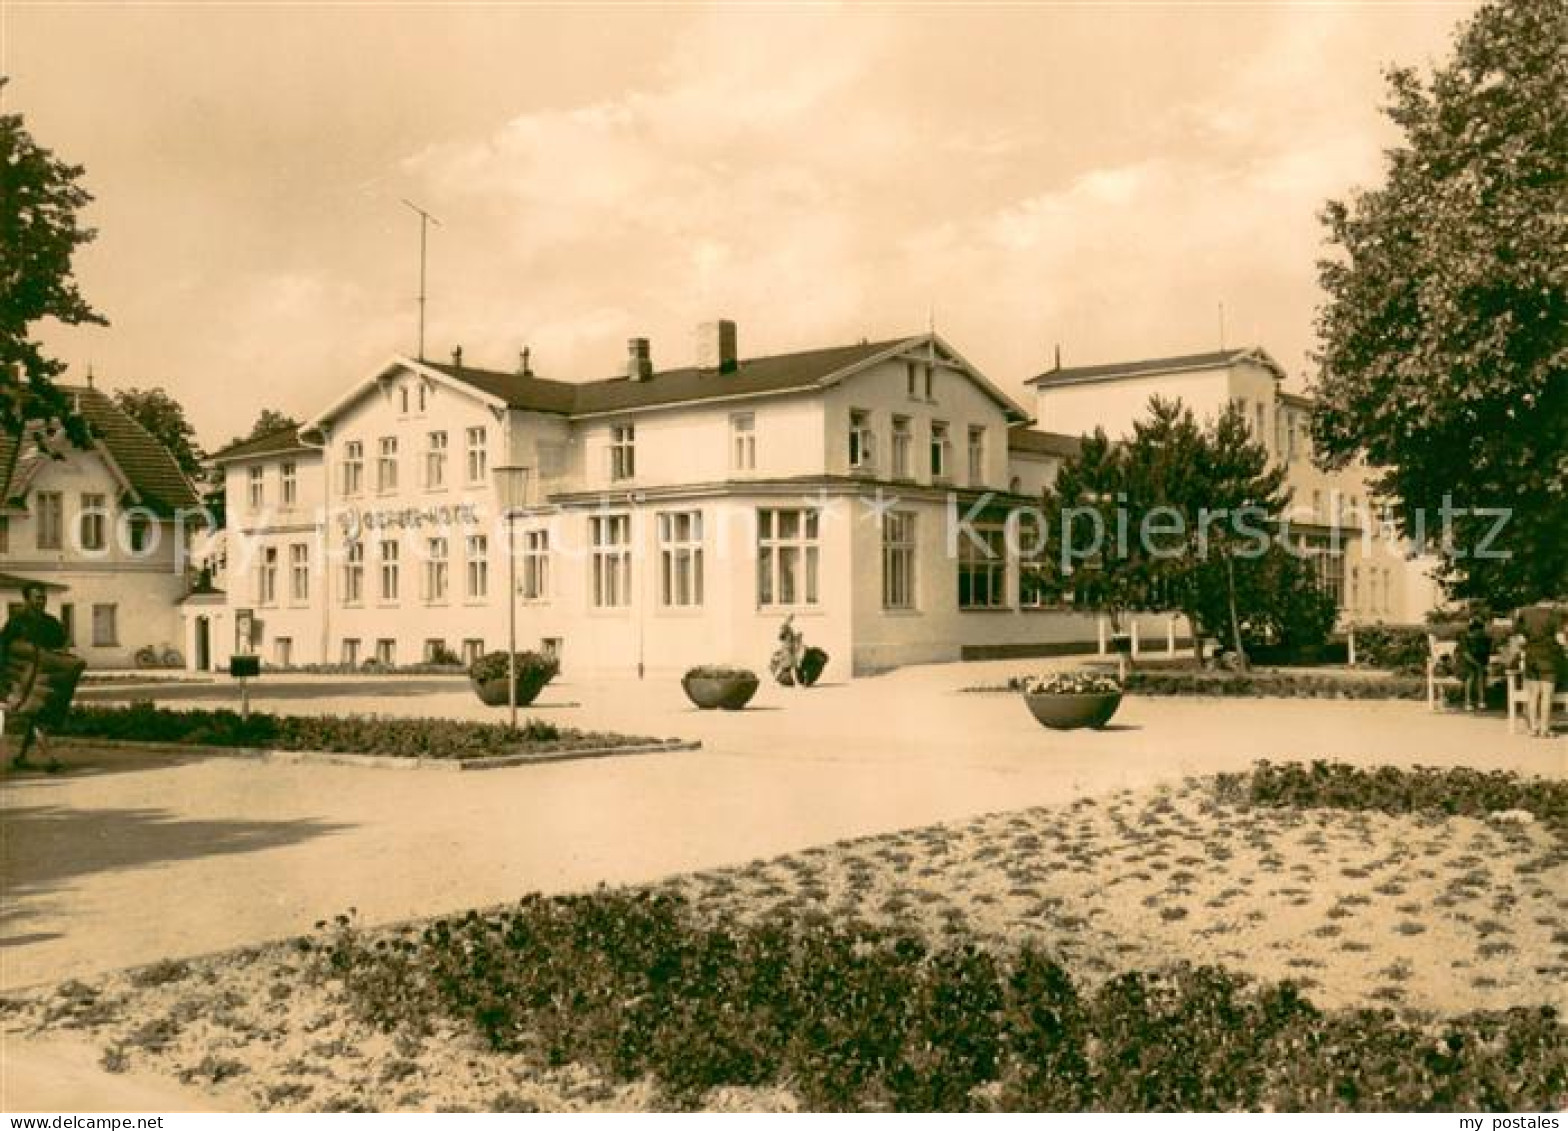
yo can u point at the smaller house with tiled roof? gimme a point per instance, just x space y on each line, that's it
105 528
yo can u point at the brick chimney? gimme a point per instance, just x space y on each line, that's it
716 346
639 361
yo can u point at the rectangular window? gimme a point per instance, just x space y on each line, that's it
256 487
473 648
1038 586
787 557
386 652
435 650
136 530
680 558
94 522
610 542
349 655
535 584
623 451
290 484
478 454
389 570
862 442
386 464
743 441
267 579
930 371
941 451
106 629
976 456
353 467
51 519
5 534
1327 562
353 573
435 460
299 572
982 569
478 562
435 569
898 560
903 441
912 379
283 651
68 623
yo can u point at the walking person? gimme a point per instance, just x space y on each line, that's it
1539 624
1473 655
32 626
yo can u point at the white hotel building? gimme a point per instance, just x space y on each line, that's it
672 517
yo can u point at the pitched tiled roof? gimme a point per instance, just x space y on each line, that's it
777 374
1144 367
268 444
153 474
1035 441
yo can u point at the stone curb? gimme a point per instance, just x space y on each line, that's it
371 761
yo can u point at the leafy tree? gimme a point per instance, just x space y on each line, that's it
164 417
1444 339
39 235
1186 515
269 421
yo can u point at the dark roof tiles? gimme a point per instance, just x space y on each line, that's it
1210 360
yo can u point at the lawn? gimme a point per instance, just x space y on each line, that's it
1422 915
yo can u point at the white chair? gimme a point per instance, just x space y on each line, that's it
1516 698
1436 651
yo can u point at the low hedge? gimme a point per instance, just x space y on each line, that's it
1271 684
851 1017
1389 789
351 734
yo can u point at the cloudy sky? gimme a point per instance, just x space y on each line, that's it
1099 176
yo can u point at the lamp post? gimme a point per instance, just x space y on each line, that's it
511 487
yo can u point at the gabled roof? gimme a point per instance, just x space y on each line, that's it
1034 441
1142 368
144 467
268 444
780 373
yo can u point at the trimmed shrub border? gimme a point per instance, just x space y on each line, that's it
352 740
1250 685
377 761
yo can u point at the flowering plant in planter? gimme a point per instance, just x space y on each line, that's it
720 671
490 673
1070 683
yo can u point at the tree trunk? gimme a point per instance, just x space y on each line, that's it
1235 620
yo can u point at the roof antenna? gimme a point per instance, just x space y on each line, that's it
425 220
89 375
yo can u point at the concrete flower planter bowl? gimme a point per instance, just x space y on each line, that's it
492 692
728 692
1091 709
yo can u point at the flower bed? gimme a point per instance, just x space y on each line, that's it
352 734
1389 789
854 1017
